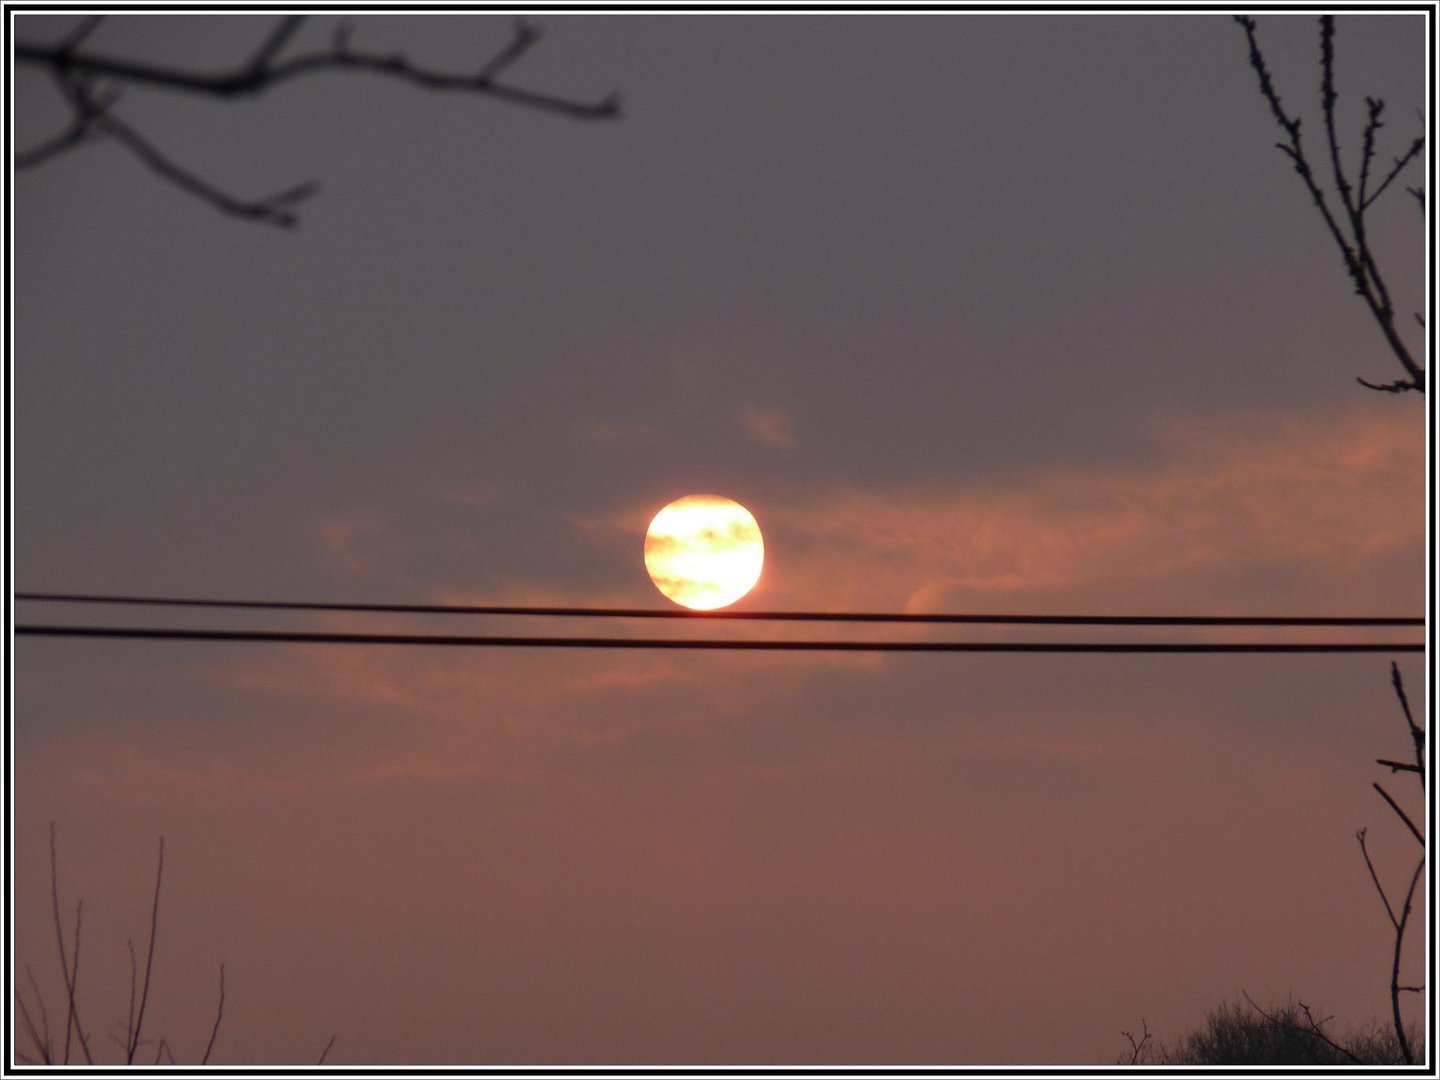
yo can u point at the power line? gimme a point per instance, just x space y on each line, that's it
774 616
488 641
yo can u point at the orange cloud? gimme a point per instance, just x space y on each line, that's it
1305 513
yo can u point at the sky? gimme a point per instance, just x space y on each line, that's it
975 313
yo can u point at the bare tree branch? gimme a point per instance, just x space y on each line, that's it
219 1012
79 32
39 1039
256 78
1355 251
134 986
1395 987
283 31
1403 816
76 71
1417 733
1400 923
1400 163
1384 899
1397 766
1137 1046
149 957
525 35
1312 1026
73 1026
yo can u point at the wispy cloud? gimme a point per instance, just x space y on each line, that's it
773 427
1225 515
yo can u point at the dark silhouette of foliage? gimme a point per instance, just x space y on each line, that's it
1346 222
1236 1033
89 82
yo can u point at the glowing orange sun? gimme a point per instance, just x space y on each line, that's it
704 551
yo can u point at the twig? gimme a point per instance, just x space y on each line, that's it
73 1026
525 35
82 30
1417 733
149 956
324 1053
40 1039
272 45
1137 1047
134 985
219 1012
1373 108
96 116
1354 246
1376 879
1400 163
1397 766
250 80
75 72
1313 1028
1395 987
1403 816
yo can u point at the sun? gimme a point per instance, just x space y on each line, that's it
704 551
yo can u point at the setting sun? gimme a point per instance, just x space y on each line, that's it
704 551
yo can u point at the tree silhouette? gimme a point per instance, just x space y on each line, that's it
90 82
1246 1034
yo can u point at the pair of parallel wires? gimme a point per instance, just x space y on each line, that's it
317 637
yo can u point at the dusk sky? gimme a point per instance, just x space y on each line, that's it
974 313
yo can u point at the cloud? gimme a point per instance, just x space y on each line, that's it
1226 515
348 538
1260 515
773 427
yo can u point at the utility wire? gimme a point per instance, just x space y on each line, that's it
484 641
775 616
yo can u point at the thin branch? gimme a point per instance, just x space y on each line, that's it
75 71
40 1039
525 35
82 30
134 985
1400 163
1354 248
1399 386
149 957
1417 733
1376 879
1395 965
73 1027
1327 101
272 45
1373 108
1397 766
219 1012
324 1053
75 975
252 79
78 131
1137 1047
273 209
1313 1028
1403 816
